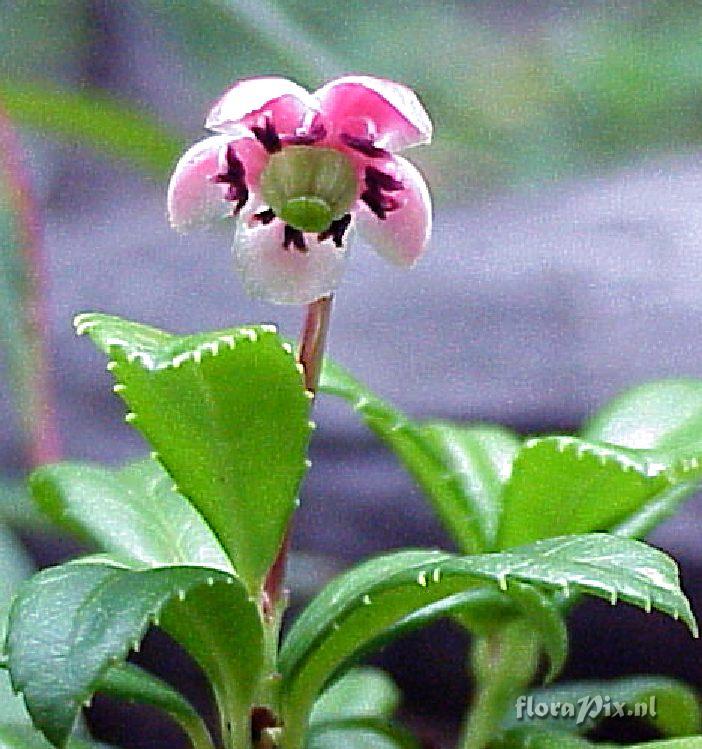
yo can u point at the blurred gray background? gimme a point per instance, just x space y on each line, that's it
564 265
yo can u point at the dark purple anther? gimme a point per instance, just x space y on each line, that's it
235 178
265 217
364 144
376 178
336 230
294 237
267 136
377 184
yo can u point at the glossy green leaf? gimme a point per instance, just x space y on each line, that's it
228 415
671 707
357 607
134 512
360 734
94 120
461 470
128 682
69 624
664 415
360 693
561 485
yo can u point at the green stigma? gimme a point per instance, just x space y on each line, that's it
309 187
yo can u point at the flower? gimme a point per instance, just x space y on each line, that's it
299 170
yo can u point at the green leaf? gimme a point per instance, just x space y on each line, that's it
692 742
675 706
94 120
664 415
15 567
460 469
133 512
531 738
131 683
369 600
561 485
18 736
69 624
360 734
361 693
228 415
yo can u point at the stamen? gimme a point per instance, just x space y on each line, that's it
374 177
380 204
314 134
268 136
293 236
364 144
336 230
235 177
265 217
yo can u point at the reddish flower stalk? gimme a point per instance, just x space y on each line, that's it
310 355
40 422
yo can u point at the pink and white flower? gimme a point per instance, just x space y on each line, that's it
300 170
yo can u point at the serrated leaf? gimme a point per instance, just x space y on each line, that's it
665 418
133 512
69 624
357 607
664 415
128 682
228 416
361 693
460 469
676 708
561 485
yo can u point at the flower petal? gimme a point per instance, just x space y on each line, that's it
193 199
242 106
285 276
402 236
388 112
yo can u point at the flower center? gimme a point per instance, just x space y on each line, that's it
309 187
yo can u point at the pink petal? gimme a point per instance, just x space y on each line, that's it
388 112
402 236
193 199
243 105
281 276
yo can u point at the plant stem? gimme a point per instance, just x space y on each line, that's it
504 663
310 355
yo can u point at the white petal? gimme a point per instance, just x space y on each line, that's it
240 107
193 199
281 276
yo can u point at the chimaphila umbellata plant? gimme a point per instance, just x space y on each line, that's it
194 538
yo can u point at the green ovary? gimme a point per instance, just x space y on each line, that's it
309 187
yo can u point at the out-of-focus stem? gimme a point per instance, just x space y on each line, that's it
41 419
310 355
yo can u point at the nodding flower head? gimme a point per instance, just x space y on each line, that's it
299 171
